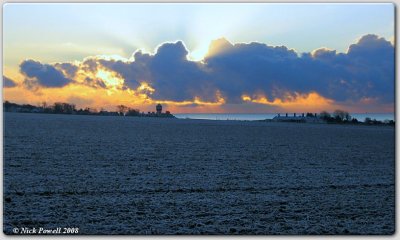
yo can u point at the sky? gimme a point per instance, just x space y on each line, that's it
238 58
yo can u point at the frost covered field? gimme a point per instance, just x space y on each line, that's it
116 175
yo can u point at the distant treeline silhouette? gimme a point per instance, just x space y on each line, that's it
67 108
340 116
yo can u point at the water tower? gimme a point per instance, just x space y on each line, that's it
159 108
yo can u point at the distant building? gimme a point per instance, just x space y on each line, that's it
159 109
309 118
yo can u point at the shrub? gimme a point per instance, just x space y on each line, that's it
341 116
325 115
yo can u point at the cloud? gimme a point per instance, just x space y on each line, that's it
8 83
365 71
269 75
371 48
42 75
94 82
68 69
294 101
218 46
169 71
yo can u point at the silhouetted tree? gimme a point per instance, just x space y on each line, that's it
8 106
67 108
45 107
325 115
390 122
374 121
64 108
85 111
122 109
341 115
133 112
348 117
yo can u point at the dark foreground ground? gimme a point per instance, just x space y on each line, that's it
116 175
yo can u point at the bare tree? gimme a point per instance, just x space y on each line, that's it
122 109
325 115
44 105
64 108
341 115
132 112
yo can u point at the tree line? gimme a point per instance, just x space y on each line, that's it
340 116
68 108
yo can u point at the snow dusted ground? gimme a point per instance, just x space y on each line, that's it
116 175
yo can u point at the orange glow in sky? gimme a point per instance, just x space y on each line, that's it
230 56
293 102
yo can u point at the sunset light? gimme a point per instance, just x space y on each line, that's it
198 58
199 118
292 102
110 79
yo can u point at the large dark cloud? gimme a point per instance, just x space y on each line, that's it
8 83
42 75
373 69
365 71
169 72
252 68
